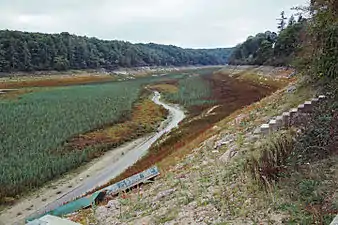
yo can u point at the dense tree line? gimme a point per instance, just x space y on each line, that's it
24 51
270 48
319 57
309 44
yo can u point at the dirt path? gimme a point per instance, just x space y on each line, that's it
94 174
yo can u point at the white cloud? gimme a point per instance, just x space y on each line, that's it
188 23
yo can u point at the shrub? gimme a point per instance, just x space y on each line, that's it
269 158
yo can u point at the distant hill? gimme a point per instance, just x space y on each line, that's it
24 51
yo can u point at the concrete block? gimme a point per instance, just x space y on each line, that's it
293 113
308 106
286 114
257 130
286 119
321 97
315 101
279 120
265 129
273 125
301 108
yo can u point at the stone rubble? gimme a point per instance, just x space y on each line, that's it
164 194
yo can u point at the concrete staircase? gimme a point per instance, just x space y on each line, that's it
285 119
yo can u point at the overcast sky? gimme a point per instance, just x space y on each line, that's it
186 23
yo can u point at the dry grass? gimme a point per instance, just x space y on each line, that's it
270 76
169 88
269 81
16 93
53 80
268 160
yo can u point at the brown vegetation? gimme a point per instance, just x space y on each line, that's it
53 81
145 118
171 88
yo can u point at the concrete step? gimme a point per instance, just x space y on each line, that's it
321 97
279 120
285 119
265 129
308 106
301 108
293 112
273 125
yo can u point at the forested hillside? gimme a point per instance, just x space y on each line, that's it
270 48
23 51
309 44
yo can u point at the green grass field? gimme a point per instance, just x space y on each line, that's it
193 91
35 128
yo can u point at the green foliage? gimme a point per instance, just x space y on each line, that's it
254 49
22 51
307 187
311 181
309 44
35 127
292 20
319 138
323 39
60 63
269 48
288 44
193 91
314 41
282 21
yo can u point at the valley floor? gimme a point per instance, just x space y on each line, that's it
200 182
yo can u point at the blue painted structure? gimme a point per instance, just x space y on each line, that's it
98 196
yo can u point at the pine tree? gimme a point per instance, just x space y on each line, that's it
292 20
282 21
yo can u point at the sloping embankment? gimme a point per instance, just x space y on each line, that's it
208 188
